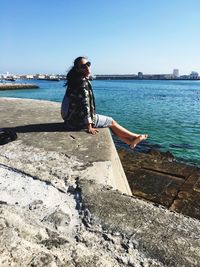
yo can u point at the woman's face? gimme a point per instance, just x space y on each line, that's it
84 67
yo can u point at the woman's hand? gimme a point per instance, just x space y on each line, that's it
92 130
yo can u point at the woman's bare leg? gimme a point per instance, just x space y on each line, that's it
121 131
132 139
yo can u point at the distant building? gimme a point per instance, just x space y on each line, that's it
40 76
175 73
194 75
29 76
157 76
52 76
185 77
140 75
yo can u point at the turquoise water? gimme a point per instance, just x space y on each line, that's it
169 111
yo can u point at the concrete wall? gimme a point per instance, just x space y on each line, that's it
38 124
59 206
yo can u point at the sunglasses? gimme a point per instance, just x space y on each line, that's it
87 64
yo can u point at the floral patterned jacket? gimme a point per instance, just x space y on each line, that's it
81 104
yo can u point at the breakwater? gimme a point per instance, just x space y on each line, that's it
16 86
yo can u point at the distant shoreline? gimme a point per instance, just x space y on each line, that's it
144 79
153 77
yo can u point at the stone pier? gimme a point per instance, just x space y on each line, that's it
17 86
65 200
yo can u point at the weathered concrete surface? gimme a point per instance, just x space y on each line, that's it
158 233
59 209
16 86
39 124
159 178
43 221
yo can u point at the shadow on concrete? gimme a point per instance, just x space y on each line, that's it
42 127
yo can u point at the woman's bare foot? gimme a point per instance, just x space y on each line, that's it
137 140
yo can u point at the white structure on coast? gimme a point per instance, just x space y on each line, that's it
4 75
176 73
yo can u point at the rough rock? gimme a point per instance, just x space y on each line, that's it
43 223
160 178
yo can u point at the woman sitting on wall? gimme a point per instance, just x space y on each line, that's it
78 106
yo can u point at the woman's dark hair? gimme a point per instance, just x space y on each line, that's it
73 75
76 61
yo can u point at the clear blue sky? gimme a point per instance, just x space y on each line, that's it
118 36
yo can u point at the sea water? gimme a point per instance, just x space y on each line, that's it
169 111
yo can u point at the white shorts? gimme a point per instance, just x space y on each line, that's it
102 121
